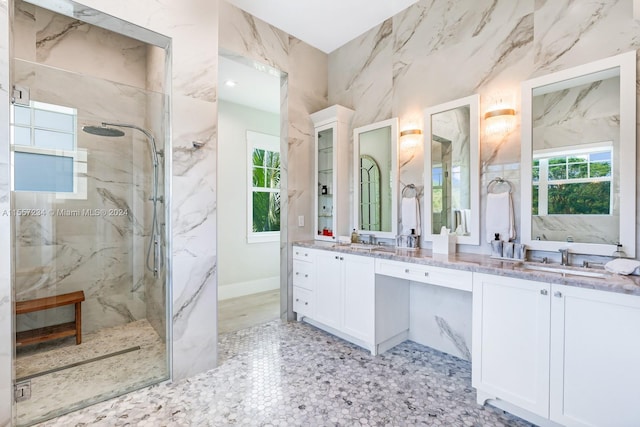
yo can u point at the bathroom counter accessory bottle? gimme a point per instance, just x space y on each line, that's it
496 247
354 236
619 253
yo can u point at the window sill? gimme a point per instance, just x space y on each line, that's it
266 237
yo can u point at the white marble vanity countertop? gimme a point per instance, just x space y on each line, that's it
484 264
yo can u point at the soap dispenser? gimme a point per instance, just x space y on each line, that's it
496 246
619 253
354 236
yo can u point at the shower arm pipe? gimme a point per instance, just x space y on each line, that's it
144 131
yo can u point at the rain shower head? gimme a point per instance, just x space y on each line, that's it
103 131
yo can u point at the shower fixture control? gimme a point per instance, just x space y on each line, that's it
198 144
115 130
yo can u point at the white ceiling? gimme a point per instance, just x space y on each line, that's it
324 24
256 89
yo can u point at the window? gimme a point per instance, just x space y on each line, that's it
575 180
45 154
264 187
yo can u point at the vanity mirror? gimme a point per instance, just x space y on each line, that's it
579 158
375 149
451 164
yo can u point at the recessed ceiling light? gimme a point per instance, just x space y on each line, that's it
231 83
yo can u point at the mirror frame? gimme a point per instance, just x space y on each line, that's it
473 101
393 123
627 233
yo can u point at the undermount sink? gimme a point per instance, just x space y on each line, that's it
373 248
565 271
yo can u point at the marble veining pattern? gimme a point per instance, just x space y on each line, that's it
569 33
290 374
455 337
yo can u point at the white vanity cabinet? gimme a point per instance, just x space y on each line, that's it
345 295
510 332
347 299
567 354
331 218
595 358
303 281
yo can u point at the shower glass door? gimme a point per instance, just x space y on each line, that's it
89 213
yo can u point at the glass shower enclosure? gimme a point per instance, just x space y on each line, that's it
89 129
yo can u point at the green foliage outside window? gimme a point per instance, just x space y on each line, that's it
589 194
266 190
587 198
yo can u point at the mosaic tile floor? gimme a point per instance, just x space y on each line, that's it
291 374
77 386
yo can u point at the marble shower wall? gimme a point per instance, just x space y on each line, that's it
304 91
440 50
193 28
103 76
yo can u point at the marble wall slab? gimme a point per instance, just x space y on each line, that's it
66 252
59 41
442 50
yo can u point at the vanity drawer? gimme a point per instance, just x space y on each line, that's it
303 254
302 301
446 277
303 274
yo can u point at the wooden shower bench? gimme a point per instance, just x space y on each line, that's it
63 330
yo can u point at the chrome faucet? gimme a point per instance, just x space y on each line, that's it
564 255
370 238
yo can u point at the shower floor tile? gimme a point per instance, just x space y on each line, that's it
75 387
292 374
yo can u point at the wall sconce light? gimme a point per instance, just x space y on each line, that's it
410 138
499 119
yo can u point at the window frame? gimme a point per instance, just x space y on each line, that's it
79 156
262 141
544 182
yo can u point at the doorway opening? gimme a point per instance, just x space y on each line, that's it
251 194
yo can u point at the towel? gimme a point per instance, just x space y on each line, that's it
410 215
499 217
457 221
622 266
466 221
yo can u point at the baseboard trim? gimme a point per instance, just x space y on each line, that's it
240 289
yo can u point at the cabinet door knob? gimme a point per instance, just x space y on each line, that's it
341 259
544 292
426 274
297 273
406 270
297 299
306 275
306 254
557 294
297 253
306 303
337 257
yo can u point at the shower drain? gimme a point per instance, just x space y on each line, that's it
75 364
